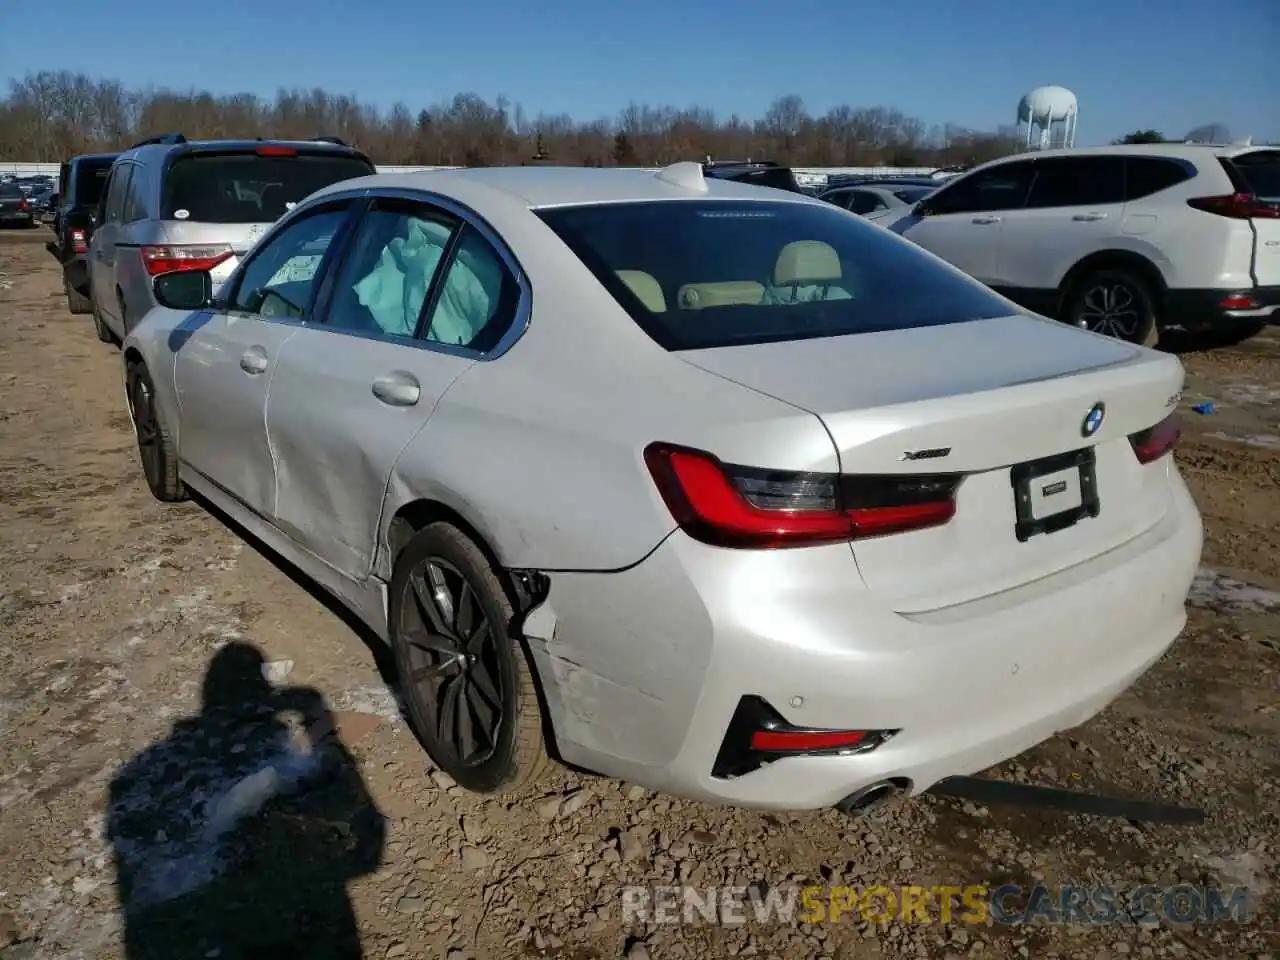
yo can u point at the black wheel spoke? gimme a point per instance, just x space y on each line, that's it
485 686
422 639
464 611
432 671
466 738
427 599
484 718
478 637
446 724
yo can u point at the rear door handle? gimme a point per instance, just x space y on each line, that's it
254 361
985 220
1089 217
398 390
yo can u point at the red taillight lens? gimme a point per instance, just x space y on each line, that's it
1155 442
733 506
1238 206
78 242
174 259
805 741
276 152
23 205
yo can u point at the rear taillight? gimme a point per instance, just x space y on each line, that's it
1154 442
24 206
78 242
175 259
1238 206
734 506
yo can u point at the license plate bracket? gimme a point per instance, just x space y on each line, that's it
1079 470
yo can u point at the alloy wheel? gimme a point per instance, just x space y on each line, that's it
1111 308
452 661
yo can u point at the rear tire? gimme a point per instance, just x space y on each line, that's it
476 662
99 326
1116 303
156 449
77 302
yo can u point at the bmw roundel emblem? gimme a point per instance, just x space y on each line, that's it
1093 420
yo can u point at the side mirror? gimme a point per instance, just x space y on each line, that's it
186 290
922 209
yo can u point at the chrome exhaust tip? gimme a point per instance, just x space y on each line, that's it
864 801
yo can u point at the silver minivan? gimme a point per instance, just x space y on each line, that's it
171 204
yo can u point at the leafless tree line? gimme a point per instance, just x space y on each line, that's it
50 116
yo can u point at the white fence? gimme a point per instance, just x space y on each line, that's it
807 176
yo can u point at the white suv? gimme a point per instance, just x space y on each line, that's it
1124 240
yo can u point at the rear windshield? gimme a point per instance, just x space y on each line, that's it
697 273
10 190
91 177
248 188
1261 172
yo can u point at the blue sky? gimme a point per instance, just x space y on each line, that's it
1167 64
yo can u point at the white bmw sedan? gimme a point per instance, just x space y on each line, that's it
712 487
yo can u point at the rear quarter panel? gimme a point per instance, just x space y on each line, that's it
542 448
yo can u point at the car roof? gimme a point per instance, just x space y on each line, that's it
215 146
539 187
1182 150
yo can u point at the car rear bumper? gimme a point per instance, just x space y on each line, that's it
1197 311
647 666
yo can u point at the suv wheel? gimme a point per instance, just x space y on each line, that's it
465 676
77 302
99 327
1113 302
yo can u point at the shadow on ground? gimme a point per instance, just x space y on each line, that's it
236 836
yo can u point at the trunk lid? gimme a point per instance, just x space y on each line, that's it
993 394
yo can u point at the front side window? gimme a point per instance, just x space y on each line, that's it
1077 182
698 273
393 261
249 187
281 277
1002 187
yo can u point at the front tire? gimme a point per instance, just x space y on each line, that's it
1114 302
466 678
156 449
99 325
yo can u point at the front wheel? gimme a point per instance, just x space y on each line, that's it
156 449
99 325
1116 303
77 302
466 679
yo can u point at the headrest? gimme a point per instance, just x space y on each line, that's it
646 289
806 261
695 296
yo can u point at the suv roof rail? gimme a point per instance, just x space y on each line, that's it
336 141
164 138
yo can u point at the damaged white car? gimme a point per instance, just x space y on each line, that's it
707 486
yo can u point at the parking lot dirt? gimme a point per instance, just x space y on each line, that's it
124 774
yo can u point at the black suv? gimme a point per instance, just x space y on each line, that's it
762 173
80 181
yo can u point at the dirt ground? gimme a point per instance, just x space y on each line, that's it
113 608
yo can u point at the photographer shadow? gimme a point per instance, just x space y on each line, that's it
235 837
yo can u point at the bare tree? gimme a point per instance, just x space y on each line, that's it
50 116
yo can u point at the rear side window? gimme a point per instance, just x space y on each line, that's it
1077 182
1145 176
697 273
90 181
247 187
1260 172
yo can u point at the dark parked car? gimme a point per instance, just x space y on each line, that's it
81 180
762 173
15 208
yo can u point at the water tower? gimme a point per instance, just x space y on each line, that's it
1047 118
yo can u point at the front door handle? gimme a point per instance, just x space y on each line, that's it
985 220
398 390
254 361
1089 217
